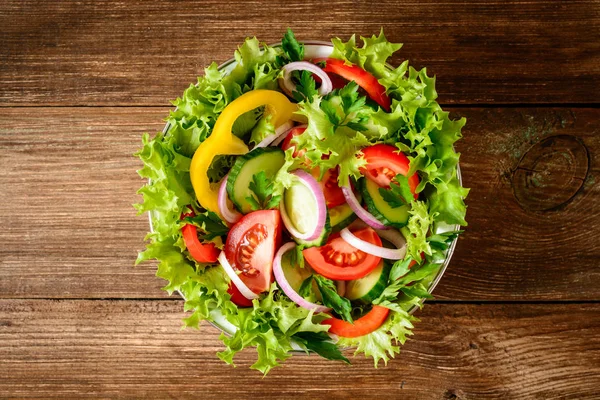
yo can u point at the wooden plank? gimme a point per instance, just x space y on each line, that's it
147 52
68 181
126 349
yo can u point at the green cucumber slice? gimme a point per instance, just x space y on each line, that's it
296 275
301 207
303 213
341 216
397 217
269 160
321 240
370 286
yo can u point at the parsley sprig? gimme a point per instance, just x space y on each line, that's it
343 108
209 223
399 193
263 198
306 87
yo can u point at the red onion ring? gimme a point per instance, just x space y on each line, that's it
369 248
289 87
285 285
229 214
311 183
279 132
244 290
359 211
393 236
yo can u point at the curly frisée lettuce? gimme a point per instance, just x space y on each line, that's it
339 125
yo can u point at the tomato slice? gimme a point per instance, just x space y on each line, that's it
384 162
203 253
251 245
329 184
364 79
362 326
287 142
340 261
237 297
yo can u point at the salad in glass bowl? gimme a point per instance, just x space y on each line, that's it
305 197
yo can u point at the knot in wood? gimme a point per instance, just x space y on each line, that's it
550 173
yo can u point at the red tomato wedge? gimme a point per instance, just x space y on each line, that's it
362 326
203 253
340 261
237 297
329 184
384 162
364 79
251 246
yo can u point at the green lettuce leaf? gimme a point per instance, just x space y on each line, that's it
324 137
269 326
372 56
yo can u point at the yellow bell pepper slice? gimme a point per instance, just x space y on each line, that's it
222 141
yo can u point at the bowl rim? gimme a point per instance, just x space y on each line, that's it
444 265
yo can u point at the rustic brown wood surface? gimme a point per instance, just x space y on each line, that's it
82 348
517 314
146 52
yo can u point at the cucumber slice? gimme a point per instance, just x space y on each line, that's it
341 216
296 275
397 217
369 287
301 207
269 160
321 240
303 212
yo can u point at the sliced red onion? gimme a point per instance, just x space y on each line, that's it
359 211
230 214
285 285
289 87
244 290
390 254
311 183
393 236
281 131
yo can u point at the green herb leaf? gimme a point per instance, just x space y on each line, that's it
417 290
263 193
291 47
399 193
399 269
351 102
345 108
209 223
321 344
306 287
332 299
306 88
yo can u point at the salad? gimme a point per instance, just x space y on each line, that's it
307 198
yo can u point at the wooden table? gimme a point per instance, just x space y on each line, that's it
517 314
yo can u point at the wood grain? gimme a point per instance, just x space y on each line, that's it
147 52
126 349
69 231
